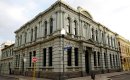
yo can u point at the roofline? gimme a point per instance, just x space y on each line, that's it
62 2
7 47
41 13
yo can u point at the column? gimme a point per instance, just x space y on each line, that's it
108 61
102 61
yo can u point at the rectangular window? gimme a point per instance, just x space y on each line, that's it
93 34
21 40
98 59
45 28
69 56
44 57
111 60
16 60
76 56
105 59
25 37
51 25
95 62
31 34
30 59
35 33
75 27
69 23
116 60
97 35
50 56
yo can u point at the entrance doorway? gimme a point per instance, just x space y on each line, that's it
87 62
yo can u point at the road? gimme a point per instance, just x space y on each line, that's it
6 78
121 77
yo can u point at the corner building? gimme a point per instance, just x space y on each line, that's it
88 46
124 47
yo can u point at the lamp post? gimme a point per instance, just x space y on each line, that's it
63 32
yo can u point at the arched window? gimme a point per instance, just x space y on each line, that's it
68 26
75 27
45 28
51 25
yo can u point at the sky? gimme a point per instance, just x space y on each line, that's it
114 14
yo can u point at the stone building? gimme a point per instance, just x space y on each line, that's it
6 62
87 46
124 47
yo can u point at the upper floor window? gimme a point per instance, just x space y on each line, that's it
20 39
97 35
25 37
45 28
108 40
111 41
102 37
51 25
75 27
68 26
31 34
92 34
35 33
85 30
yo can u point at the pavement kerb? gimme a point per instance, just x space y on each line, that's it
108 75
9 76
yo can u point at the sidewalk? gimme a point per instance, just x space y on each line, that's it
101 76
20 77
98 76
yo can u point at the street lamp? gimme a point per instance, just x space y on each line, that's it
63 33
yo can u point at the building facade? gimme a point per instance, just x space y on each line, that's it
124 47
6 62
86 47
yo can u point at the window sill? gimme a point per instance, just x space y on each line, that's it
69 67
50 67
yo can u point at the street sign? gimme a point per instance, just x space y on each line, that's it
34 59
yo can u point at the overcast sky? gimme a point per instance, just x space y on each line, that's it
114 14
